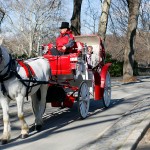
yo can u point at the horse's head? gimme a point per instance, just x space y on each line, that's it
4 55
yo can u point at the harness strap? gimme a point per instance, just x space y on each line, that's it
29 73
11 71
3 89
28 69
24 83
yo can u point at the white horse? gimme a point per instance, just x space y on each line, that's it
11 88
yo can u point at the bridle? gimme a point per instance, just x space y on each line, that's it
8 67
8 72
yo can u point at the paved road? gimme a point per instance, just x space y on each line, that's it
64 130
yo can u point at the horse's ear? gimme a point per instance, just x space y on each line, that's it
1 40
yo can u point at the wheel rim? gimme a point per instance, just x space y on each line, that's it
83 100
107 91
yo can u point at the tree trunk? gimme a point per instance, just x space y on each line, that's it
133 6
104 19
75 20
2 14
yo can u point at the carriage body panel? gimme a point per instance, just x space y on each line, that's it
59 65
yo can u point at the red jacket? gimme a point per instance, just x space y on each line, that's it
66 39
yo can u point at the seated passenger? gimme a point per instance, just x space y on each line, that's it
88 56
65 41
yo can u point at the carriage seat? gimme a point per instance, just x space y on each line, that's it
77 48
64 64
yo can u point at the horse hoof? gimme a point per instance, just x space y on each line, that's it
38 127
23 136
4 142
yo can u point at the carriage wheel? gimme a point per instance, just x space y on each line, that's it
107 91
83 100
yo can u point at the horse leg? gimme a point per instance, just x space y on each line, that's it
39 105
35 106
24 126
7 129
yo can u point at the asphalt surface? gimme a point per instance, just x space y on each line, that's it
119 127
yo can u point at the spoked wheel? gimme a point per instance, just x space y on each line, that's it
107 91
83 100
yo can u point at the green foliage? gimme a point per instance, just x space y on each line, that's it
116 69
135 69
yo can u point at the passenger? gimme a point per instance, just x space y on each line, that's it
89 53
65 41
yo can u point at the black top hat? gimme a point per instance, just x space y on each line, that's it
64 25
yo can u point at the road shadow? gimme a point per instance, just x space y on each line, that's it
54 121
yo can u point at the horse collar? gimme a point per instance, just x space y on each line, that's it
28 69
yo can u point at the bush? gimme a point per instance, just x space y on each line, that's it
116 69
135 69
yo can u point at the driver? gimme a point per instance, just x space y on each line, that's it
65 41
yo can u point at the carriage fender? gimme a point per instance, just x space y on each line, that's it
100 82
104 73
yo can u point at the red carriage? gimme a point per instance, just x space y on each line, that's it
72 80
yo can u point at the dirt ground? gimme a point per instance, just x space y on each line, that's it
144 144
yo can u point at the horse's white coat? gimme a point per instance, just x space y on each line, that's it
17 91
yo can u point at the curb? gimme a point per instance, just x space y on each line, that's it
137 134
